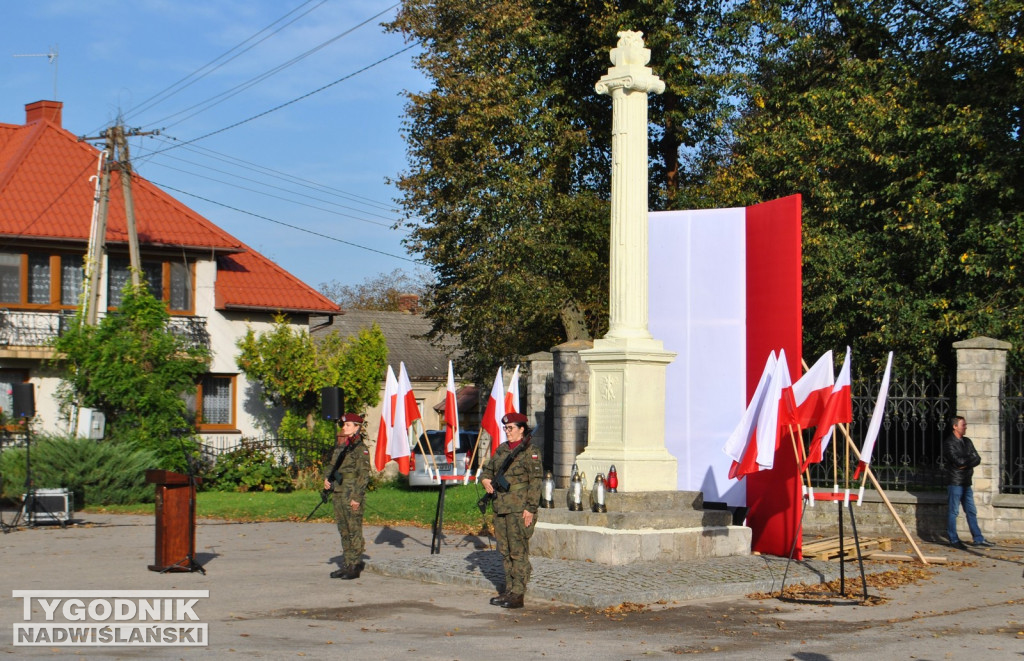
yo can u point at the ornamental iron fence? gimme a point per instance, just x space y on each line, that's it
298 454
908 451
1011 425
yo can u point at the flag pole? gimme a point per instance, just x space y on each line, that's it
476 448
798 454
419 443
892 510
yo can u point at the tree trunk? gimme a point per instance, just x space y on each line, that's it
573 322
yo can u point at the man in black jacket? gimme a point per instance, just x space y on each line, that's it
962 458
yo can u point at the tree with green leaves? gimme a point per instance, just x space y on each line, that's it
292 367
900 124
509 179
135 370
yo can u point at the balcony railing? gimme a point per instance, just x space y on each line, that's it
40 329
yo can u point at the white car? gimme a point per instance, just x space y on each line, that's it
424 471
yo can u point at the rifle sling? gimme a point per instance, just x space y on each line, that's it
337 463
510 458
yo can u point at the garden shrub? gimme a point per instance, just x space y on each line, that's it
249 468
96 472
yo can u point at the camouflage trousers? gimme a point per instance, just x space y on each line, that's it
350 527
514 545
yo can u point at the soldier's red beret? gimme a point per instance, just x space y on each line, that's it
513 418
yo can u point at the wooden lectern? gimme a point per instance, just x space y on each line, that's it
175 521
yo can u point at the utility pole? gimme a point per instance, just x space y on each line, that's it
117 158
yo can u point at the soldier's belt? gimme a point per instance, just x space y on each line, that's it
518 487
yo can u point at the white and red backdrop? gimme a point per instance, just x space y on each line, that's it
725 291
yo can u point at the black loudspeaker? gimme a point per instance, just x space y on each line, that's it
23 396
333 399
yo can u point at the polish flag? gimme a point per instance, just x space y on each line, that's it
725 289
512 396
741 445
451 418
838 408
777 402
408 398
495 411
387 446
812 390
876 421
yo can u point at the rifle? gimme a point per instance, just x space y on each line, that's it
500 482
325 494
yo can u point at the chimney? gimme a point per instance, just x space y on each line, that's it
408 303
47 110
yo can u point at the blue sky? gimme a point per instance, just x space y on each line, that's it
314 171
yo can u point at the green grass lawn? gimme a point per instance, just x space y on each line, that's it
388 504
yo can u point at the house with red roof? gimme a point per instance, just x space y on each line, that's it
214 285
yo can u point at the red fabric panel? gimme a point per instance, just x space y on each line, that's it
774 321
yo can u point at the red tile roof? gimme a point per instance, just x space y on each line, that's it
46 193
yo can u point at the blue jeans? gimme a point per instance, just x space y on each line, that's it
965 495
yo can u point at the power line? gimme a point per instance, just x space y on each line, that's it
276 197
284 224
288 178
241 87
299 181
195 76
288 103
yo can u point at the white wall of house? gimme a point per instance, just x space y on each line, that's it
252 417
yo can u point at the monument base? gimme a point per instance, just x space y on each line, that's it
643 471
638 527
626 426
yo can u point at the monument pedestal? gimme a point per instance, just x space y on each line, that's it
627 414
638 527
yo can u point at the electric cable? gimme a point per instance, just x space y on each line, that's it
195 76
241 87
284 224
286 103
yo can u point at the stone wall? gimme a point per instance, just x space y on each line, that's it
540 387
570 403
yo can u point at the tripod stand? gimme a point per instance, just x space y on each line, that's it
31 506
3 526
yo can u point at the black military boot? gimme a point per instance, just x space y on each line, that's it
353 572
512 601
341 573
496 601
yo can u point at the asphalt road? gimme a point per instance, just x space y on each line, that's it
270 597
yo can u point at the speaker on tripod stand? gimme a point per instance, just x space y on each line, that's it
35 506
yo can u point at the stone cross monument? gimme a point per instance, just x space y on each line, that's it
627 366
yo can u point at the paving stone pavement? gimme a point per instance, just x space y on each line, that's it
601 586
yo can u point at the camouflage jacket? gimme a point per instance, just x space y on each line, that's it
524 477
354 472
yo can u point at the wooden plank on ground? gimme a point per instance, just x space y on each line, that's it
829 549
903 557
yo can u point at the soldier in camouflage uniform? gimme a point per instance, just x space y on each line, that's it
349 486
515 511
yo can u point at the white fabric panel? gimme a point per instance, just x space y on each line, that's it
697 267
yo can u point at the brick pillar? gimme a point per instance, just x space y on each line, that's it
540 385
980 368
570 404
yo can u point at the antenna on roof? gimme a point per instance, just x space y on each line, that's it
52 57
